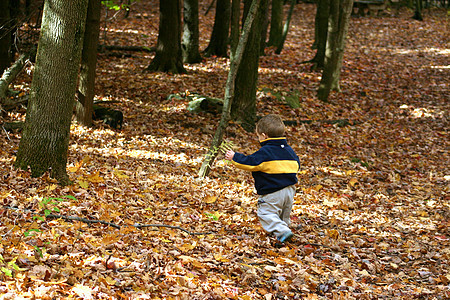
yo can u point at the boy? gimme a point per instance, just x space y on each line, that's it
274 168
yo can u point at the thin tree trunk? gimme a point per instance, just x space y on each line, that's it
339 19
243 108
229 91
321 32
218 45
264 26
86 88
418 7
45 139
190 42
235 28
286 27
276 23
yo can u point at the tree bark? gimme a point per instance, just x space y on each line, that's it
168 56
264 26
190 42
229 90
276 23
340 11
243 108
418 7
286 27
86 85
45 139
235 27
218 44
321 32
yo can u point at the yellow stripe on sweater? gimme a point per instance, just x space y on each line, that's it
271 167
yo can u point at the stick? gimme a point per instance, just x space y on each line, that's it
88 221
84 220
173 227
209 7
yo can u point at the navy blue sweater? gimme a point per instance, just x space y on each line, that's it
274 166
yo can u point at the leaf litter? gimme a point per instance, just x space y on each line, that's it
371 213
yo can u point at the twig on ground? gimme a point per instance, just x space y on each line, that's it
172 227
84 220
89 221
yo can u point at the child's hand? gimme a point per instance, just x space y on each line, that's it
229 155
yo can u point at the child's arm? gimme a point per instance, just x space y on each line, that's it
245 162
229 155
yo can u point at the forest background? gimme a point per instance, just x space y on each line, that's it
371 212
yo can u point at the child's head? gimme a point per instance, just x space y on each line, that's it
272 125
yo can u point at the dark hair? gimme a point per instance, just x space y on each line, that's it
272 125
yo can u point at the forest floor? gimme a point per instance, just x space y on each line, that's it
371 215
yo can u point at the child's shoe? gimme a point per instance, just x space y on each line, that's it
285 237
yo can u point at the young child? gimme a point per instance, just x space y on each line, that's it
274 168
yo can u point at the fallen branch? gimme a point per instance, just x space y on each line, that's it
172 227
84 220
9 75
89 221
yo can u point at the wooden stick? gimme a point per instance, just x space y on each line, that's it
89 221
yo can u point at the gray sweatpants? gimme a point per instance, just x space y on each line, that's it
274 210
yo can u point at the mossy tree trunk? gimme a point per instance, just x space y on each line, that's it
243 109
86 86
168 56
45 139
218 44
340 11
190 41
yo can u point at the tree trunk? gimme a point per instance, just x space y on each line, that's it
190 42
5 36
321 32
286 27
243 108
340 11
418 7
45 139
218 44
276 23
264 26
86 87
235 28
168 56
229 90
